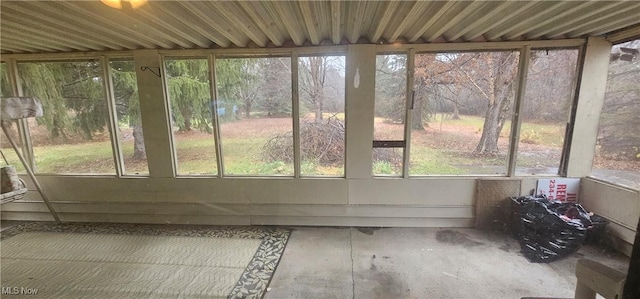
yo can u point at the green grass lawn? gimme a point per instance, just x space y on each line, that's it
243 156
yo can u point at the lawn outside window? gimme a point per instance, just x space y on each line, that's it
73 136
254 108
130 137
189 92
321 94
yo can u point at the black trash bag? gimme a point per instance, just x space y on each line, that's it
551 230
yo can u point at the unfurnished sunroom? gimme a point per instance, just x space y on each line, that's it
322 113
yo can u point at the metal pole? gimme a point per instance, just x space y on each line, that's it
30 173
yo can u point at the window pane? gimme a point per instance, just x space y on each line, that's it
321 88
73 134
125 89
190 100
391 89
617 156
5 87
5 146
545 111
461 113
254 104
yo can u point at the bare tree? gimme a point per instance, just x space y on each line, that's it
313 73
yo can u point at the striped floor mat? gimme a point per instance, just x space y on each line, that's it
138 261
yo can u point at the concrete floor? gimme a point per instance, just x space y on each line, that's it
420 263
393 263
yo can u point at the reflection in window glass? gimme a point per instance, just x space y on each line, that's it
254 105
73 134
5 87
461 112
545 111
617 157
5 146
391 89
192 121
321 90
131 139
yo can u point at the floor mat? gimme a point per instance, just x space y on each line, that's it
139 261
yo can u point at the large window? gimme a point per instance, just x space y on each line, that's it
617 157
191 115
321 88
5 146
389 121
545 111
255 110
130 136
462 107
73 134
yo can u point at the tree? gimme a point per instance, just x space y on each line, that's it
391 89
499 92
315 73
71 93
189 91
248 87
125 87
435 79
550 85
275 87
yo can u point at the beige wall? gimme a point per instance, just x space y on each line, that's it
620 205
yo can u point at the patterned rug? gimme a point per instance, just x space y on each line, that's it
100 260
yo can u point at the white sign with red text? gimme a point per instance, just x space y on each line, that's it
560 189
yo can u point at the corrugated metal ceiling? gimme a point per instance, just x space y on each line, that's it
71 26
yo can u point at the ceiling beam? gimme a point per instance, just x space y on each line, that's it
625 35
621 23
555 15
518 8
32 43
252 9
530 17
149 24
49 24
603 16
116 26
388 11
154 14
237 17
186 18
34 35
431 20
202 16
310 21
355 19
487 13
569 22
68 40
55 14
417 9
336 18
455 19
283 12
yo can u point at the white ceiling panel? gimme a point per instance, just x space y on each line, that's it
81 26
